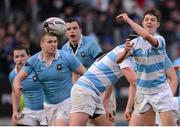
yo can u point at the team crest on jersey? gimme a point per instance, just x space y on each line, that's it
59 67
34 78
83 54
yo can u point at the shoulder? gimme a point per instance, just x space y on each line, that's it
12 75
34 57
64 54
88 40
160 37
65 46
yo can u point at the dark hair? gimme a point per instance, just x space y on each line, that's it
70 20
153 12
21 47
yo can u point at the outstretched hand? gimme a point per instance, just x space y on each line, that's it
122 17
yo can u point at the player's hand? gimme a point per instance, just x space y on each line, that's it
128 45
110 116
17 89
122 18
15 118
127 114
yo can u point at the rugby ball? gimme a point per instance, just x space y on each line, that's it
54 25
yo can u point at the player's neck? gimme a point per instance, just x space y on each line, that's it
18 67
48 58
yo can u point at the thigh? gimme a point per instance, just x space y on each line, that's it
78 119
143 119
102 120
83 101
168 118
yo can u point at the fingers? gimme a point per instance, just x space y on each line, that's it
18 90
127 116
128 45
122 17
111 116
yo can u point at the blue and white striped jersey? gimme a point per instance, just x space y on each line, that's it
104 72
150 62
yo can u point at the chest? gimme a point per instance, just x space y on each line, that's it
58 70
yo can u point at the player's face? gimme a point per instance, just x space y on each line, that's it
20 57
49 44
73 32
150 23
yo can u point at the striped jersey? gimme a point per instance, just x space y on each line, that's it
104 72
150 63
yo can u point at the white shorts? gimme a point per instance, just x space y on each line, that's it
86 101
32 117
57 111
160 102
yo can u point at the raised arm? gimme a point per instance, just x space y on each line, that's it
122 55
138 29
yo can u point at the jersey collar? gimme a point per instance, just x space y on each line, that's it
41 58
79 43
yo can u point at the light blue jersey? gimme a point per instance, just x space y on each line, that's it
86 51
150 62
104 72
32 91
56 79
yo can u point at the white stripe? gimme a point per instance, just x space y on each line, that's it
100 75
118 50
150 76
150 60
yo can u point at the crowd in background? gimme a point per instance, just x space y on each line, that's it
21 22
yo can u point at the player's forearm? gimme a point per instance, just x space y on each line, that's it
131 98
173 84
15 102
142 32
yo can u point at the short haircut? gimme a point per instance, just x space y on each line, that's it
70 20
43 33
21 47
153 12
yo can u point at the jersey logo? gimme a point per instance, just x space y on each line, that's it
34 78
83 54
59 67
